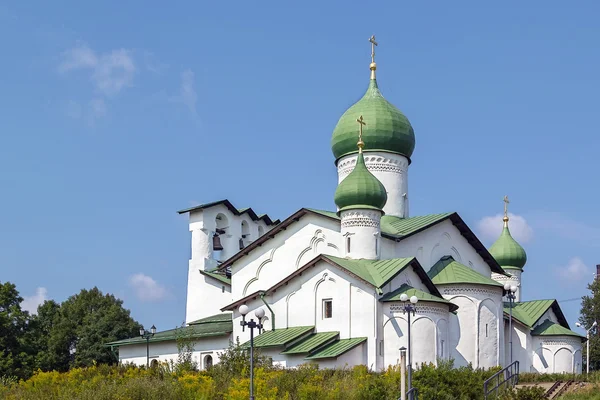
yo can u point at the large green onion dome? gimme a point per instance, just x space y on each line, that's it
360 189
507 252
387 128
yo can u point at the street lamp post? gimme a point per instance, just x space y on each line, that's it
509 292
587 350
410 309
260 313
147 335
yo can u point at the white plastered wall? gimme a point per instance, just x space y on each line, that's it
514 280
557 354
476 331
167 351
300 303
428 246
285 253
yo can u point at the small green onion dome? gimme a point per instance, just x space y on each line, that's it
360 189
387 128
507 252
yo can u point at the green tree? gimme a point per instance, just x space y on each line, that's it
590 312
81 327
15 349
41 326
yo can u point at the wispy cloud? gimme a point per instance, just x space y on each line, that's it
110 72
491 227
574 271
31 303
568 228
187 92
146 288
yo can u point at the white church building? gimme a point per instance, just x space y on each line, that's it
330 283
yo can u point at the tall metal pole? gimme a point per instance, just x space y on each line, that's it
147 351
402 373
587 353
251 361
510 335
409 355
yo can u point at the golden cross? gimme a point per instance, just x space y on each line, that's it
361 123
373 44
506 206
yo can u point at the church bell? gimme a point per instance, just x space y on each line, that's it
217 246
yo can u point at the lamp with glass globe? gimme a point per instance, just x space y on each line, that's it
409 307
587 351
509 292
147 335
259 313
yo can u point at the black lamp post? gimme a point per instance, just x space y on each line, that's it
259 313
147 335
509 292
409 307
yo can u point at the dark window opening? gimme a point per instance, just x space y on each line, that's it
327 308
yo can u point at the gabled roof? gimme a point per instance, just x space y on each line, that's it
373 272
421 295
312 342
216 325
448 271
549 328
337 348
234 211
392 228
216 274
280 337
530 312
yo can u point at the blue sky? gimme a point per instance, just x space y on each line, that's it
115 115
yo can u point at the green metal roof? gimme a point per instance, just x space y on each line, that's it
218 326
312 342
506 250
360 189
397 226
447 271
280 337
386 127
216 275
337 348
377 273
222 317
529 312
421 295
549 328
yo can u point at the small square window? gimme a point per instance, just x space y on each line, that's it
327 308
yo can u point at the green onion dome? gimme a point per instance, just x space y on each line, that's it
387 130
507 252
360 189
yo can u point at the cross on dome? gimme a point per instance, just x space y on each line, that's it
360 143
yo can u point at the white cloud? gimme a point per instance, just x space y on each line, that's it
187 92
146 288
574 271
491 227
110 72
564 226
31 303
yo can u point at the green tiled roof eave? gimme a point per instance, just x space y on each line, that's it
336 348
549 328
222 317
217 276
377 273
193 331
280 337
421 295
529 312
401 227
311 343
449 271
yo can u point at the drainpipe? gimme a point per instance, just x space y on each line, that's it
262 297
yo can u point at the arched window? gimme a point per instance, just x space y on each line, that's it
218 241
208 362
154 363
261 231
245 235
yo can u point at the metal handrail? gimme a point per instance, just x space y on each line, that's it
507 376
412 394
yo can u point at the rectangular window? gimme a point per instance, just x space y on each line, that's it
327 308
486 330
348 244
